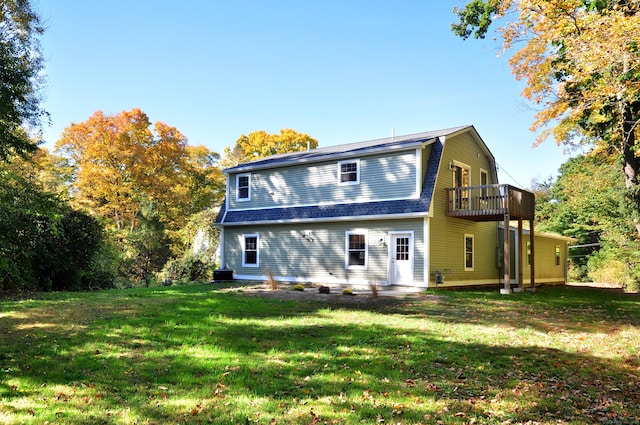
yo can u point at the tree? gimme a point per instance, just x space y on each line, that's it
44 243
203 180
585 202
122 161
20 73
261 144
581 63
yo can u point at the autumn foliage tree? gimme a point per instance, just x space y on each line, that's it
260 144
580 60
122 161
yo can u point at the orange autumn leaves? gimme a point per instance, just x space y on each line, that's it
121 161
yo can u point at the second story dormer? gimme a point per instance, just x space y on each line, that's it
397 176
322 176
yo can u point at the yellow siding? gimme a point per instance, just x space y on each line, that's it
447 252
546 270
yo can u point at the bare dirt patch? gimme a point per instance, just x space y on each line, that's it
334 297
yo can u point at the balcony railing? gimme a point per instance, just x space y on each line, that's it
490 202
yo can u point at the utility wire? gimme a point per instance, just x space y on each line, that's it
501 168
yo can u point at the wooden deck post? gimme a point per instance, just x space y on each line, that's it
519 247
506 256
532 237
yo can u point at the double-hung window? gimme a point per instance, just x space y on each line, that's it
349 172
243 187
356 250
468 252
250 250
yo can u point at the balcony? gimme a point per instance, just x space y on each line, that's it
490 203
497 202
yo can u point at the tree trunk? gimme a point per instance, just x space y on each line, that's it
631 166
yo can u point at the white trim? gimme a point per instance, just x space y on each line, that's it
226 197
453 172
419 170
238 198
244 244
350 182
324 204
391 249
426 248
483 171
473 252
221 248
348 233
330 219
357 282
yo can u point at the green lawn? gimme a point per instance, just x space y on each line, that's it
197 355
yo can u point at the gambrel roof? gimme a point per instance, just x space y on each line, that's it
346 211
345 151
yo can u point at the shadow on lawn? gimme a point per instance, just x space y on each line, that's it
551 309
216 348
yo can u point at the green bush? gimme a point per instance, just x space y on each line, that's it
347 291
616 266
189 268
298 287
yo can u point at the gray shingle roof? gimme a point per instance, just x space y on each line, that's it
346 150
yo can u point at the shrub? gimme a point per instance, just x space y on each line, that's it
616 265
189 268
347 291
298 287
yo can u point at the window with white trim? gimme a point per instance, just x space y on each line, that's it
461 180
356 250
243 187
349 172
468 252
557 255
484 180
250 250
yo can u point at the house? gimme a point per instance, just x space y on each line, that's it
422 210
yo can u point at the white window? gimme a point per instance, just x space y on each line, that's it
356 250
243 187
468 252
349 172
250 250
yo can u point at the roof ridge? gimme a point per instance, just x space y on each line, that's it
347 147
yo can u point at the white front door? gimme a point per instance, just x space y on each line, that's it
401 259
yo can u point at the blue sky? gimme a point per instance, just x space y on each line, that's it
339 70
